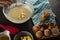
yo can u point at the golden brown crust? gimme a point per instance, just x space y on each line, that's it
47 32
39 34
45 16
36 28
1 5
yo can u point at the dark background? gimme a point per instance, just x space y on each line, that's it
55 5
27 26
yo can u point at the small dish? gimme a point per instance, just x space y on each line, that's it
5 35
23 33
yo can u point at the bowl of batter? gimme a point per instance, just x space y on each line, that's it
18 12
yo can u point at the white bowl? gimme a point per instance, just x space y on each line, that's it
6 33
6 9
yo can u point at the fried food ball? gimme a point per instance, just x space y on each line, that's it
42 18
42 29
45 16
39 34
36 28
51 24
47 32
47 13
55 31
50 27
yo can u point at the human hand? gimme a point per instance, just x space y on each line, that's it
4 3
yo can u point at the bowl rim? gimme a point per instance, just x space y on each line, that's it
7 33
24 32
7 17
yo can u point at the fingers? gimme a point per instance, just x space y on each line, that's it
1 5
8 0
4 3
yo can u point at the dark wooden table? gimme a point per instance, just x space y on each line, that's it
55 5
27 26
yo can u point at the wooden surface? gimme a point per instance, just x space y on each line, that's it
55 5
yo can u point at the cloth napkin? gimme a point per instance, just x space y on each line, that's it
39 7
11 29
